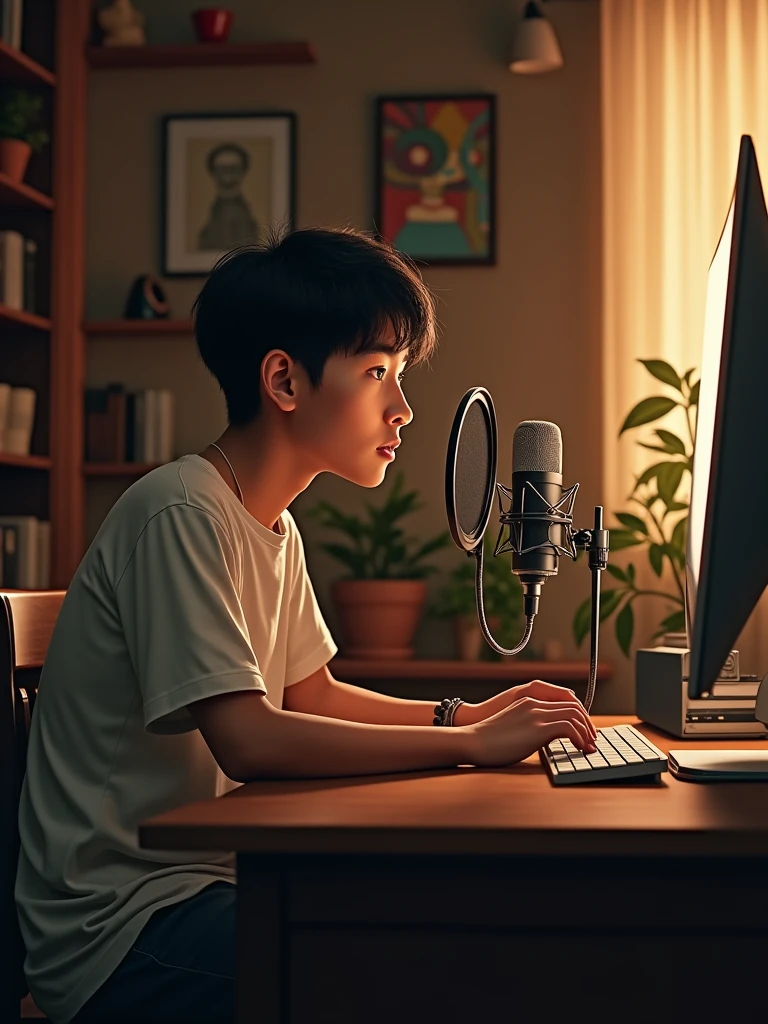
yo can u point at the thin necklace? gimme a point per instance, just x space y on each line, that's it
234 475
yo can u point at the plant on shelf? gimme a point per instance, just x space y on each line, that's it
381 599
502 598
658 523
21 131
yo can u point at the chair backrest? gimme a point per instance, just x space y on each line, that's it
27 619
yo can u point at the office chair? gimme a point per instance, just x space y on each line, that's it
27 619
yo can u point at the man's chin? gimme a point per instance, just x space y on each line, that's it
364 477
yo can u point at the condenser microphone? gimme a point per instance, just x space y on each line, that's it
536 523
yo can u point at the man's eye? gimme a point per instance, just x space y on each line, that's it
376 369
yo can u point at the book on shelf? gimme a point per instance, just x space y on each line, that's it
17 418
129 426
11 21
25 542
18 271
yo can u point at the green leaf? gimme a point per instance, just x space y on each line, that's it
621 539
617 573
609 602
674 623
648 410
649 473
353 561
625 627
656 558
687 375
673 444
694 399
676 506
669 478
662 371
679 534
631 573
631 522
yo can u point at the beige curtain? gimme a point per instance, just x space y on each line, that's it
682 80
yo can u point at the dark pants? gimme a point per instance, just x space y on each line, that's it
181 967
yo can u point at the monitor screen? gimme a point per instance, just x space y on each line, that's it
727 547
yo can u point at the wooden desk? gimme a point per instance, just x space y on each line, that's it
481 895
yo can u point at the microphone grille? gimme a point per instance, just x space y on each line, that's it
537 448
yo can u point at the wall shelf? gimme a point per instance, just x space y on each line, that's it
135 328
20 196
21 318
198 55
25 461
16 68
136 469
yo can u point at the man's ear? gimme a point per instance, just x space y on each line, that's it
279 375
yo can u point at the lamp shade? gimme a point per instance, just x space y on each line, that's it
535 48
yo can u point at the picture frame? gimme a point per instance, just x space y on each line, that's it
436 177
226 179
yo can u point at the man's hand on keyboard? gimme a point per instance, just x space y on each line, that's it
528 724
471 714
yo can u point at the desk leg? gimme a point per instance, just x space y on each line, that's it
261 963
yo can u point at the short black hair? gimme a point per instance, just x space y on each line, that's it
313 292
228 147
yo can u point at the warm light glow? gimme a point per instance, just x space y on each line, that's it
535 49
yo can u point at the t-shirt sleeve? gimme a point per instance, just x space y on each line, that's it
310 644
179 603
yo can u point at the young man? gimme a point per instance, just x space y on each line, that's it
190 654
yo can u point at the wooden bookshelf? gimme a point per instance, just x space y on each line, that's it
127 469
25 461
135 328
16 68
18 195
20 318
199 55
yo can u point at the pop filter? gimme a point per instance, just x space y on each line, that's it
470 469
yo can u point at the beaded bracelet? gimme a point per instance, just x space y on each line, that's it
445 710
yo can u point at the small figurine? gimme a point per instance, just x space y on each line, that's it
122 24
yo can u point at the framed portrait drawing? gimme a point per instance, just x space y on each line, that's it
227 178
435 177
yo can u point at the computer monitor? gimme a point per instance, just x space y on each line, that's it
727 547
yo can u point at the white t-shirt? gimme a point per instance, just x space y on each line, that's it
181 595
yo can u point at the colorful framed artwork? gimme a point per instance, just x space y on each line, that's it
435 177
227 179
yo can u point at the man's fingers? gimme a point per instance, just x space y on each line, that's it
585 738
563 705
562 730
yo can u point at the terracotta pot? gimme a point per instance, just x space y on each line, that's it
212 24
379 617
14 157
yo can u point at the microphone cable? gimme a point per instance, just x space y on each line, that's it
478 554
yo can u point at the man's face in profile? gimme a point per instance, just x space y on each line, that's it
228 170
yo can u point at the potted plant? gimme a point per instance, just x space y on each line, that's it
20 130
502 598
380 601
658 522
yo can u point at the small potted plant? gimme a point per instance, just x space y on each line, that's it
380 601
502 600
20 130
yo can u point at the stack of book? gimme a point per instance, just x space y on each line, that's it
129 426
18 268
25 553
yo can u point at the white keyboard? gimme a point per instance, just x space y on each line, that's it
622 753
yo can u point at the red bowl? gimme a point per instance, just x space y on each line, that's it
212 24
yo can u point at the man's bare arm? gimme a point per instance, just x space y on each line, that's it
251 739
322 694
